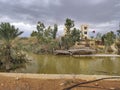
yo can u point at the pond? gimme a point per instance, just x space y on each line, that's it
51 64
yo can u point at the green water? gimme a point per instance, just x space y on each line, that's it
50 64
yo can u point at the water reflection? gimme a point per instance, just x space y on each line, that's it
50 64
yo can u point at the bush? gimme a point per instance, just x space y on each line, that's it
118 46
17 59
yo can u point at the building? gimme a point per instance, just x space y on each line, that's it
84 31
85 41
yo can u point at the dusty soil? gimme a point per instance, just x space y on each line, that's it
23 82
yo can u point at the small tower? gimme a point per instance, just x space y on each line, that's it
84 31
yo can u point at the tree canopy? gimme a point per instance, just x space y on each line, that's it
8 55
69 24
9 32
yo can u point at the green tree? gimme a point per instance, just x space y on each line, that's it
66 42
108 39
75 35
69 24
8 33
40 31
40 27
55 31
71 35
34 33
48 34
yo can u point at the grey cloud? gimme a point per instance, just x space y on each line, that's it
80 10
88 13
56 11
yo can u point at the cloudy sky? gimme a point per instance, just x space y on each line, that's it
100 15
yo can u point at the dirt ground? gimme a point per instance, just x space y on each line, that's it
26 83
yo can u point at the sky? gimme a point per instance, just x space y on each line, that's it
101 15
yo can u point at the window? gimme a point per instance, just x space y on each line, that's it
85 38
85 28
78 43
85 32
92 44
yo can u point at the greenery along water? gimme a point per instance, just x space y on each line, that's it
50 64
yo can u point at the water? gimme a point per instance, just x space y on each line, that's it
51 64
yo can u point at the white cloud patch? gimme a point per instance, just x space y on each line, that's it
105 27
27 28
60 30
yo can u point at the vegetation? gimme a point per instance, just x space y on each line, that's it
43 40
48 41
108 39
55 31
9 57
75 35
69 24
71 36
118 41
46 37
34 33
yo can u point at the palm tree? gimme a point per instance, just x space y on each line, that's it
8 33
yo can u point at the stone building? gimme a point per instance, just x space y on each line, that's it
84 31
85 40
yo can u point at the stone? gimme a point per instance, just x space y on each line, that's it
112 88
1 84
17 78
96 84
61 84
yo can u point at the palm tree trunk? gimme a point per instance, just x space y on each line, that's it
8 56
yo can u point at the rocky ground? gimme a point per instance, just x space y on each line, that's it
12 81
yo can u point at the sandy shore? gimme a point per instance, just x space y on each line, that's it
20 81
98 55
55 76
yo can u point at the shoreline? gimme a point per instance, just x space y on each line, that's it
56 76
98 55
